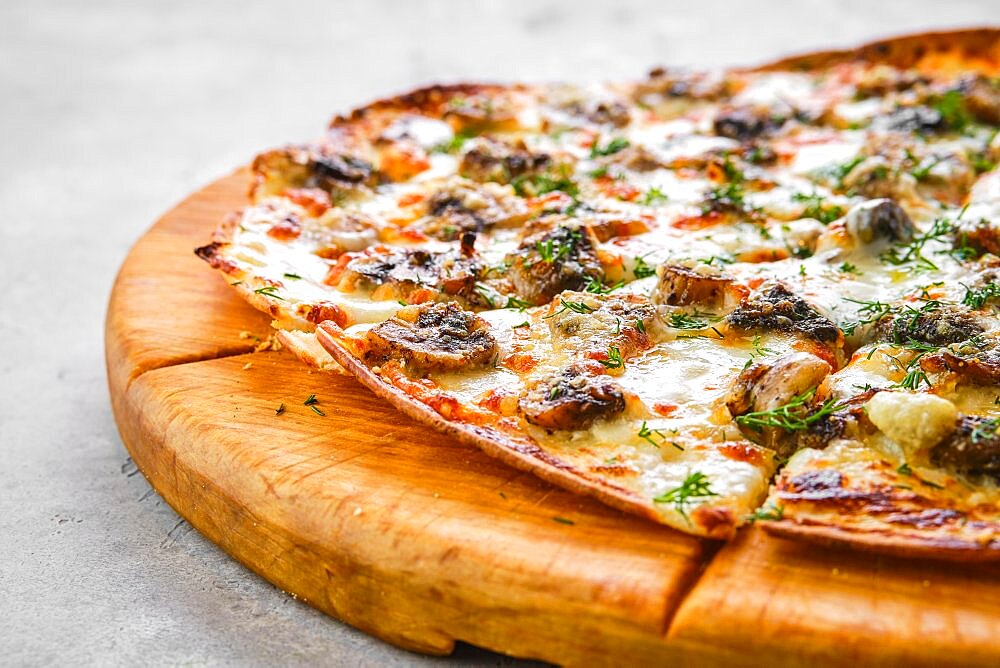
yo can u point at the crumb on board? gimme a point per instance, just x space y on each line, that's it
270 342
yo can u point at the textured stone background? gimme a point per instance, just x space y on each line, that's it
112 111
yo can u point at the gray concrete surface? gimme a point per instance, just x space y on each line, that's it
109 113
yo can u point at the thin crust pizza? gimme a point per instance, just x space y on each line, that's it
709 298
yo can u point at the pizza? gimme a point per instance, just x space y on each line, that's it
706 297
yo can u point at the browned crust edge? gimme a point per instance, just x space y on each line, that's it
902 51
427 98
522 455
884 543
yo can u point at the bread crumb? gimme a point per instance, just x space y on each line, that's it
247 365
357 511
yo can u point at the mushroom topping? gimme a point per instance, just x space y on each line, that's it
973 448
875 178
340 230
697 284
462 206
342 171
406 270
432 337
746 123
911 120
766 387
939 326
571 400
879 219
545 264
982 99
976 362
493 160
587 322
776 308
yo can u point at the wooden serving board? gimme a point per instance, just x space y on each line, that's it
418 540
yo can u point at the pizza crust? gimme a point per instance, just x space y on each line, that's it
885 541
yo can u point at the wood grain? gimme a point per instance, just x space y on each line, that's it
802 604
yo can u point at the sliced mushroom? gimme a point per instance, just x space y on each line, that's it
876 178
630 323
765 387
404 270
342 171
548 263
973 448
879 219
975 362
571 400
746 123
695 284
340 230
493 160
939 326
911 120
432 337
982 99
462 206
776 308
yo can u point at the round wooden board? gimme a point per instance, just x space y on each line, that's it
414 538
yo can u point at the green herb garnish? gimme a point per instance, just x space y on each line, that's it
793 416
695 487
576 307
653 196
614 360
268 291
612 147
771 513
977 297
642 269
817 208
